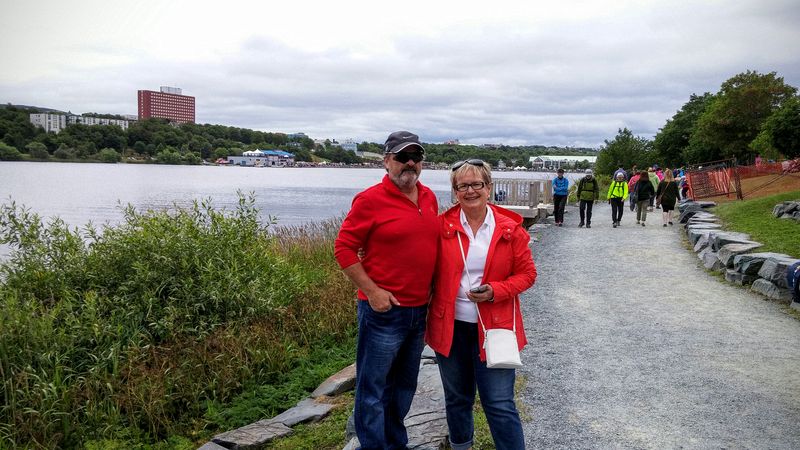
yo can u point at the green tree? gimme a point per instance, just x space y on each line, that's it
625 150
671 142
109 155
64 152
9 153
169 155
781 132
37 150
735 116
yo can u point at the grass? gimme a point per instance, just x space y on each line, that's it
755 218
165 329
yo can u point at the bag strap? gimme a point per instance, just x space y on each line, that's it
469 279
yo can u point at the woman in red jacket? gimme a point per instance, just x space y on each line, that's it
484 264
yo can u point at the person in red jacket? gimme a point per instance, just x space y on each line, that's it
395 223
473 290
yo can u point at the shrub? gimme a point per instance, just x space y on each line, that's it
9 153
109 155
139 331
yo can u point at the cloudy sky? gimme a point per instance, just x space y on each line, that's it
566 73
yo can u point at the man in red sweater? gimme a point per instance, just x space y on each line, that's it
395 223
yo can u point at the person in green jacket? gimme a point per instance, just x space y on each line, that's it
651 174
617 193
588 192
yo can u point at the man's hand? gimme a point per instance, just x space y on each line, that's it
381 300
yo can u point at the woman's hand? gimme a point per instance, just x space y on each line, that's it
485 296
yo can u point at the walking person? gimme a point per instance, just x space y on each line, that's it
654 180
484 264
560 194
631 191
666 196
396 222
644 193
617 193
588 192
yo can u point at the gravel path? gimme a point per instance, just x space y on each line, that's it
633 345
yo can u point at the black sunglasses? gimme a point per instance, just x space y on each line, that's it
473 162
404 157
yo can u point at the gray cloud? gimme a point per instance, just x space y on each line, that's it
566 83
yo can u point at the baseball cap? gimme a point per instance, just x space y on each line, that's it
400 140
560 170
589 171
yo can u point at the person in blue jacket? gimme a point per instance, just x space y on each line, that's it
560 193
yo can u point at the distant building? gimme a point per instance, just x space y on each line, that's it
452 142
263 158
553 162
297 136
350 145
57 122
169 104
52 123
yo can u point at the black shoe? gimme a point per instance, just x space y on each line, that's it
642 223
580 225
614 225
665 225
588 226
670 223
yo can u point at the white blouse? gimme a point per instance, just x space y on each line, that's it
476 261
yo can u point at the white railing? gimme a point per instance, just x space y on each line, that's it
520 192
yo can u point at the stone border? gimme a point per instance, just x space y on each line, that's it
426 422
730 254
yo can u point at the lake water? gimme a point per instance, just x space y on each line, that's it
79 193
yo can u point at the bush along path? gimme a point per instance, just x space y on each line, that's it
633 344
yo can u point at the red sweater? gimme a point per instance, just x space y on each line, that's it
399 238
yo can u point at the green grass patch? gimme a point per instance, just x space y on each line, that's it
755 218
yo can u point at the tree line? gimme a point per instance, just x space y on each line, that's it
752 114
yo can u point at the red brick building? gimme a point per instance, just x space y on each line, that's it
167 104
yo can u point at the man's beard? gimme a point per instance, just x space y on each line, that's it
407 179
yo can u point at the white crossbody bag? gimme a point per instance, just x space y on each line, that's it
499 344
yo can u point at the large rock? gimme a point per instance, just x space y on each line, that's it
750 263
699 239
727 253
252 436
739 278
786 208
770 290
342 381
306 410
426 422
719 238
212 446
711 260
774 270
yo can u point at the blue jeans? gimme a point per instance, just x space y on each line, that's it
387 365
461 372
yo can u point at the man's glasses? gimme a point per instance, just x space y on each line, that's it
476 186
404 157
473 162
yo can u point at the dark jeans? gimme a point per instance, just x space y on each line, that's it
461 373
632 199
387 365
559 202
617 207
586 210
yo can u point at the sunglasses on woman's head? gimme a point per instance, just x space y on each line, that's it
404 157
472 162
